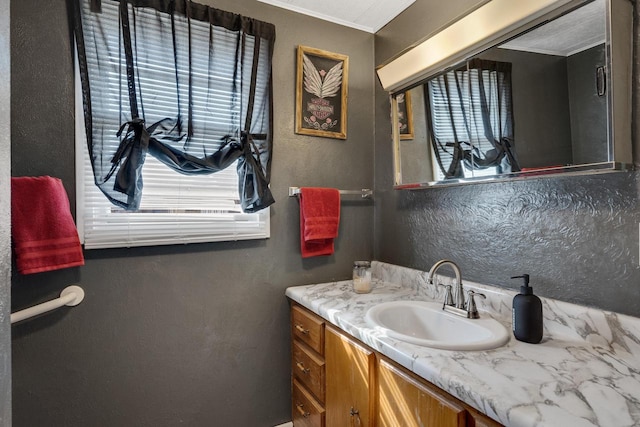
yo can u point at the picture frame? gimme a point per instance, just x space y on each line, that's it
321 93
405 116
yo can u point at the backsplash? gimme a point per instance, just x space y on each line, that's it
605 329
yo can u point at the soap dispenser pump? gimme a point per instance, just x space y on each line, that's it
527 314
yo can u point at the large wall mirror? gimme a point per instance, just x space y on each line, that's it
547 93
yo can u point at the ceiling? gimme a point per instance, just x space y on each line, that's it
365 15
574 32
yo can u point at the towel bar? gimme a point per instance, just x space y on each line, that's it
366 193
71 296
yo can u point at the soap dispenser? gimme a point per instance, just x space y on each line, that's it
527 313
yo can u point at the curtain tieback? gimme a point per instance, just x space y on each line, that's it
133 149
140 134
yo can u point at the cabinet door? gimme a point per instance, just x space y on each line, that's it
349 375
404 401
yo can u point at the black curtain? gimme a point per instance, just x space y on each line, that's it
470 118
152 67
492 116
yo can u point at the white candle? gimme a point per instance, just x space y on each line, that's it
362 283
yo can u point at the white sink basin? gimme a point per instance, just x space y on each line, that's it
425 323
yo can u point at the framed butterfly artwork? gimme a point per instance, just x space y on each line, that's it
321 93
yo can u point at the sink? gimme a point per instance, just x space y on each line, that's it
425 323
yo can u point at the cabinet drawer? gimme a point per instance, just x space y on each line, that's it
306 411
308 369
308 328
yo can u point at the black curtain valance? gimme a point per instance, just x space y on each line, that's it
193 88
219 18
488 65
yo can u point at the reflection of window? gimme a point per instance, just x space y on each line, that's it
176 208
471 120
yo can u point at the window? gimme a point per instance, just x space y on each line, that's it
174 207
471 120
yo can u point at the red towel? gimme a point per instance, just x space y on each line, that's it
319 220
44 235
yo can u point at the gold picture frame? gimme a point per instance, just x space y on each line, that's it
321 93
405 116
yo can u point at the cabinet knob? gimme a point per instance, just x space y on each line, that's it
355 417
300 366
301 411
301 329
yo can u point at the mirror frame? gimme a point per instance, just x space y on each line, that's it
502 20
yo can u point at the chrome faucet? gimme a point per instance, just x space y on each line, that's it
459 293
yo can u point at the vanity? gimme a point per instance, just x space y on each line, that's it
585 372
363 387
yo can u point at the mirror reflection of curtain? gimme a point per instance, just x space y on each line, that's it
470 118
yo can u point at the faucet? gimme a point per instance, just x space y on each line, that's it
459 294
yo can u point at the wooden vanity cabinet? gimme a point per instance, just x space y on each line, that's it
350 381
339 382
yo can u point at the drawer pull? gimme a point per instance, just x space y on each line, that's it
300 366
301 329
301 411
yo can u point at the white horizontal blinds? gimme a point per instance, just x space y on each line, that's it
175 208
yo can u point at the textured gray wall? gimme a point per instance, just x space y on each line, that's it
576 236
198 334
5 217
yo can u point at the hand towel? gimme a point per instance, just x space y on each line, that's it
44 235
319 220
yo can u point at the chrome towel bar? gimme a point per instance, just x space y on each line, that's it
365 193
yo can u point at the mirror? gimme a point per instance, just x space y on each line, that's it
534 101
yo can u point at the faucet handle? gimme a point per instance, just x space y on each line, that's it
448 297
472 310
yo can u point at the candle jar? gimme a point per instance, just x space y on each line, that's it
362 277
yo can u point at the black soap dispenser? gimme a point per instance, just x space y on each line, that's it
527 314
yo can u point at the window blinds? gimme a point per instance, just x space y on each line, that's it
175 208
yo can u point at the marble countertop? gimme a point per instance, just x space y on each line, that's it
585 372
